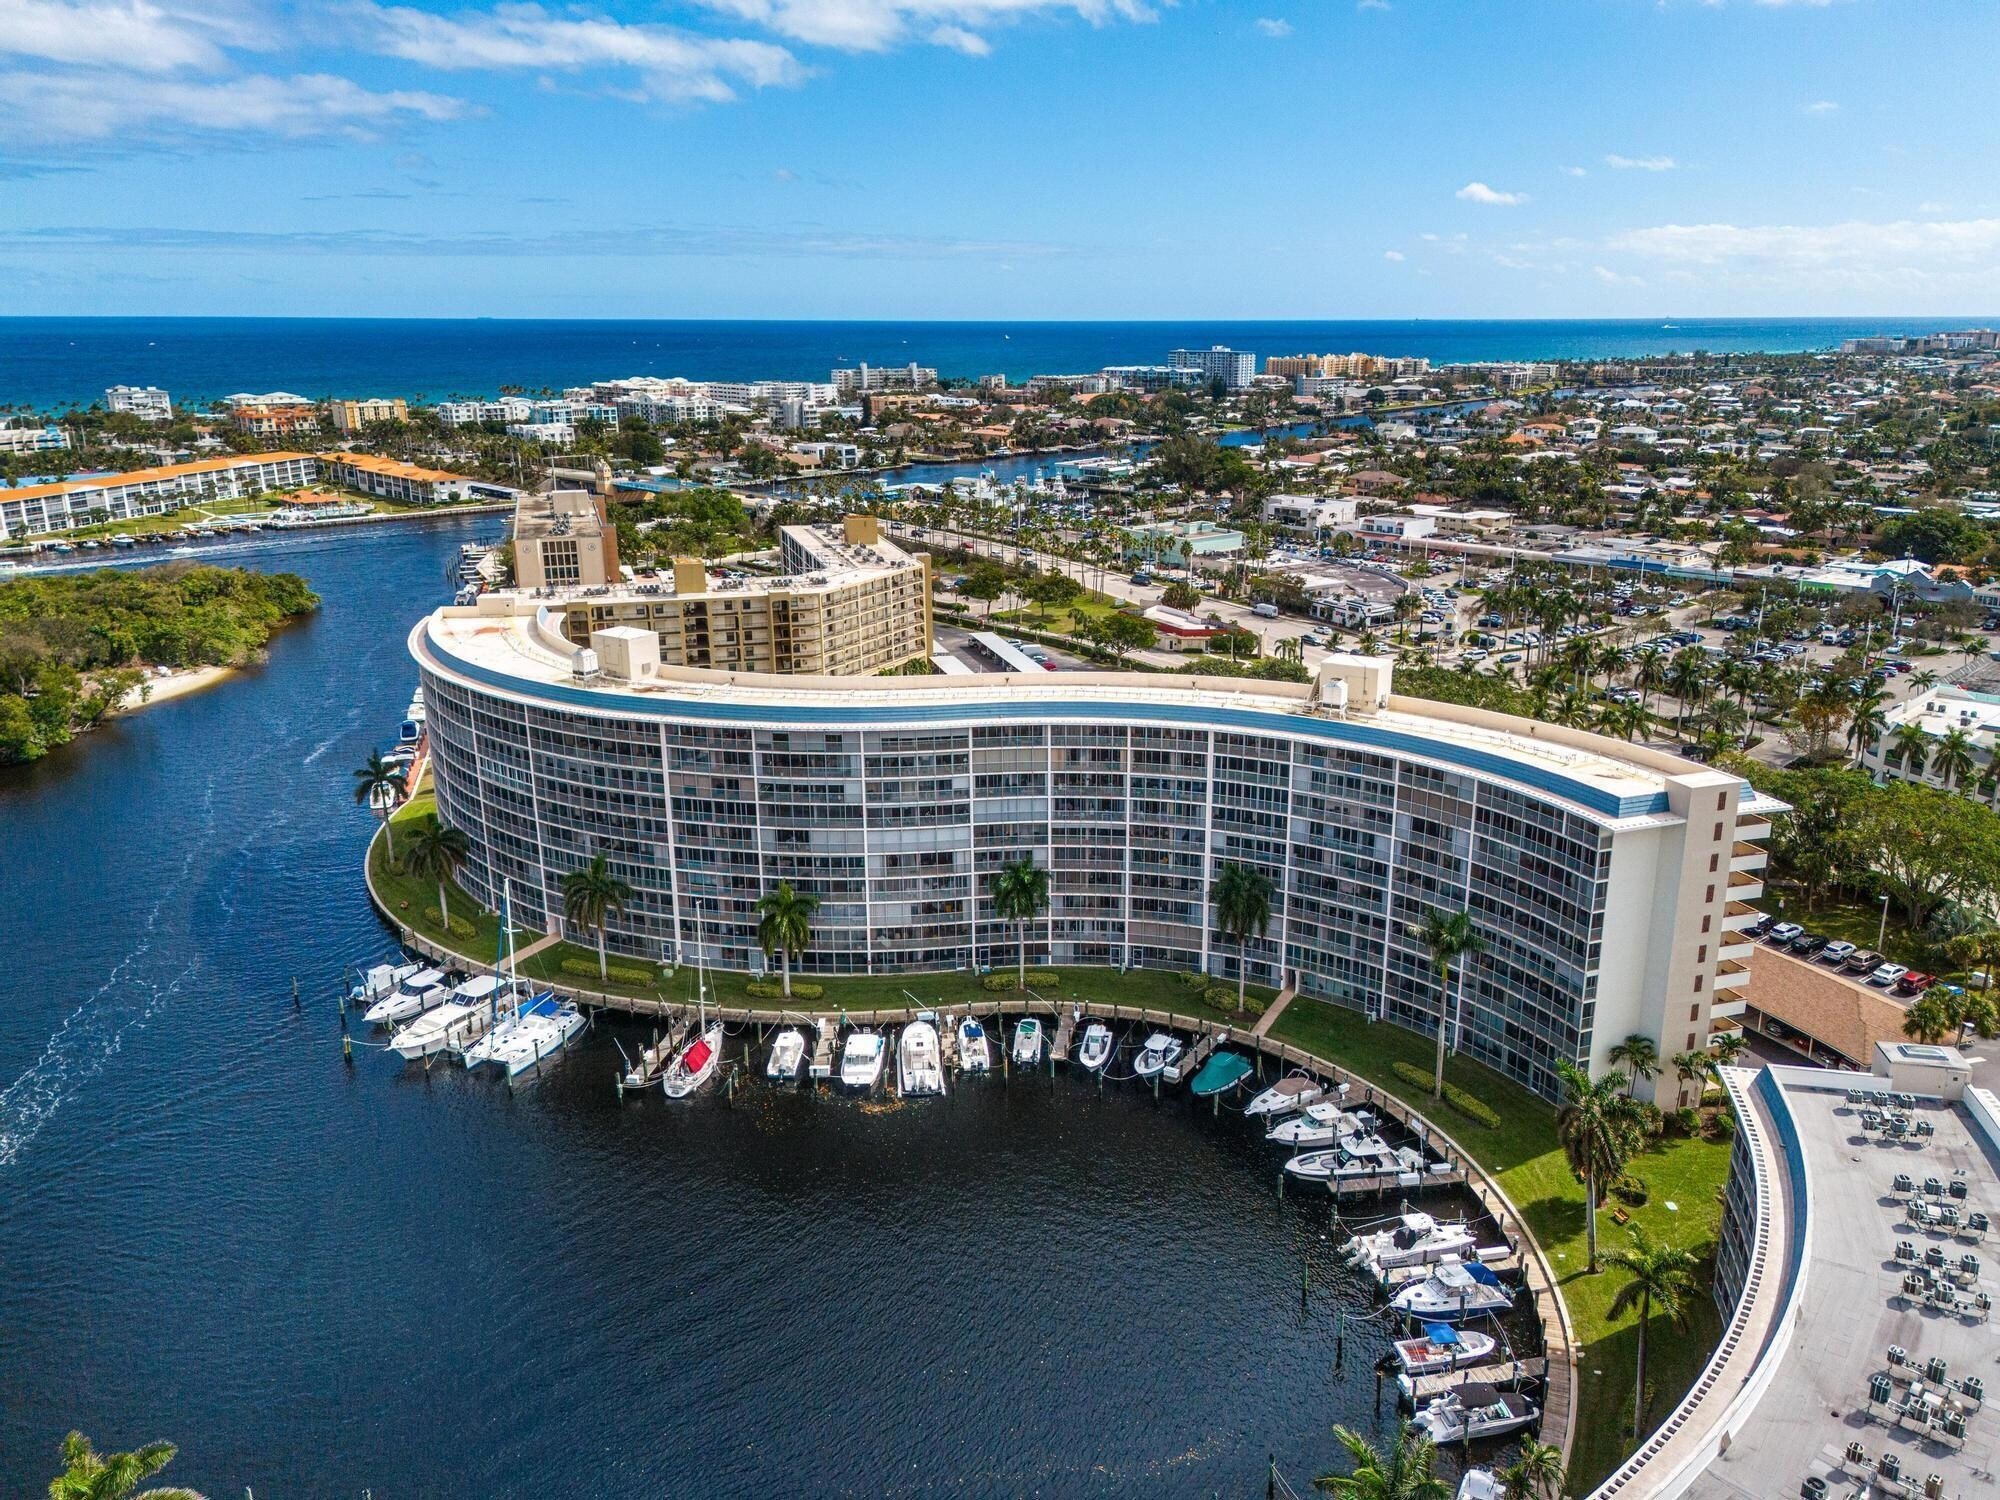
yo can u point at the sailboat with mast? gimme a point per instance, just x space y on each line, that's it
525 1027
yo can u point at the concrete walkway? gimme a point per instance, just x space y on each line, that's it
1275 1009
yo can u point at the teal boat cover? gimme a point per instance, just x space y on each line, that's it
1222 1071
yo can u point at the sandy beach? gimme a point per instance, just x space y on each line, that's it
178 685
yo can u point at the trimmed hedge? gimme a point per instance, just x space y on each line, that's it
1469 1105
458 927
765 989
993 984
583 968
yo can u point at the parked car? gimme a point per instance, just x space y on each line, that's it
1867 961
1836 953
1915 983
1761 926
1887 975
1809 945
1784 932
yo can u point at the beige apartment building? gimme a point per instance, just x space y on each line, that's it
564 539
352 416
850 604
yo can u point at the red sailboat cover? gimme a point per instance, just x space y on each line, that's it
695 1058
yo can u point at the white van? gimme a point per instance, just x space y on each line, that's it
1264 611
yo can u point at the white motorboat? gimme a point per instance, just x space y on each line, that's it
1441 1347
380 980
420 992
1475 1411
1321 1123
1096 1048
975 1055
788 1056
1027 1042
542 1028
453 1026
1415 1239
861 1060
1481 1484
919 1061
1454 1291
1293 1091
1355 1156
1162 1049
695 1063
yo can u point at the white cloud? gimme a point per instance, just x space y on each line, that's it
98 106
1371 4
1640 163
1910 255
1274 28
1575 172
1479 192
1392 255
971 43
139 35
672 64
1822 107
876 25
1613 278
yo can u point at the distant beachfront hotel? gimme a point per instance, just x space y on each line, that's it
695 732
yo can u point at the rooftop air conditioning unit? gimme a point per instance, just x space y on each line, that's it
583 663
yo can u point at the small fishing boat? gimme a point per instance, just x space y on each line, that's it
1415 1239
380 980
1293 1091
1443 1347
1454 1292
1162 1048
861 1060
788 1056
1027 1042
975 1055
1481 1484
694 1064
919 1061
1355 1156
1476 1411
1096 1048
415 995
1320 1124
1221 1073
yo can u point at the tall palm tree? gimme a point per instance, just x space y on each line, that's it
1728 1047
590 896
1690 1065
1649 673
1687 680
784 926
1639 1056
436 852
1663 1276
1242 898
1868 723
1954 758
90 1475
1598 1129
1020 893
1537 1473
380 785
1407 1470
1450 936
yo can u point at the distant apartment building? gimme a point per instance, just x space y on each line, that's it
1235 368
550 434
274 414
1155 377
1346 366
862 379
1505 375
1076 385
146 402
406 484
45 439
352 416
829 455
564 539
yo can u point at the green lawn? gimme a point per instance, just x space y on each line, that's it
1523 1155
1150 989
1854 922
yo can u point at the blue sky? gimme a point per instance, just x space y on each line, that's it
1000 158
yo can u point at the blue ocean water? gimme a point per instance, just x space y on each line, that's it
54 362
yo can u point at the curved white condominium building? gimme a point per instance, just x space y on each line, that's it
1607 881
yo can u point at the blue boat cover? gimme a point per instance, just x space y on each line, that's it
1480 1271
1441 1333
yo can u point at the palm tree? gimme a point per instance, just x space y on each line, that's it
1728 1046
1927 1019
1688 1066
1662 1276
1242 898
380 785
1870 721
1954 760
436 852
1538 1473
1449 936
590 896
1639 1056
1020 893
90 1475
784 926
1406 1471
1687 680
1599 1131
1649 673
1911 742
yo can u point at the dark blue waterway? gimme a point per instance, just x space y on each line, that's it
318 1279
52 362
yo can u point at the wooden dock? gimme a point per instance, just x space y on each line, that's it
653 1059
1065 1034
1192 1059
822 1058
1513 1372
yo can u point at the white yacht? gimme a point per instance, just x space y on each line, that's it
1453 1292
378 981
1481 1484
1320 1123
1475 1411
695 1063
788 1056
861 1060
1162 1049
453 1026
1096 1047
1027 1042
919 1061
1415 1239
542 1028
415 995
1293 1091
1355 1156
975 1055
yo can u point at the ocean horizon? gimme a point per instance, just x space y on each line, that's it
53 363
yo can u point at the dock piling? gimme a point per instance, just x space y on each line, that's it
347 1047
295 992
